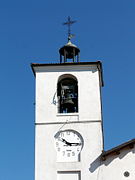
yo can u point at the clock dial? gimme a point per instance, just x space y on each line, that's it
68 145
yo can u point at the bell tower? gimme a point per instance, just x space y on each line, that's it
68 117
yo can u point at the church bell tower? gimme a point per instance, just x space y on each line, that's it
68 117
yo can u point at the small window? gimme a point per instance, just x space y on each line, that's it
67 92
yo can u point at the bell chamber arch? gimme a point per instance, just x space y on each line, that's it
67 94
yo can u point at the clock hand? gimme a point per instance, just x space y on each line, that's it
61 139
66 142
72 144
75 144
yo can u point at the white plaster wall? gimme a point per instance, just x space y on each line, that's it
46 166
115 166
88 90
87 121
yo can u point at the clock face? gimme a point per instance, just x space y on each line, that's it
68 144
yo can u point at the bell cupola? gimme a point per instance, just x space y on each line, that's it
69 51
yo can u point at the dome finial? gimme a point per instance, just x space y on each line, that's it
69 51
69 23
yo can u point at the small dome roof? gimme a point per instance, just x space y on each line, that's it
70 44
70 50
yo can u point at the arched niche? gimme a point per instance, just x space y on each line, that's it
67 93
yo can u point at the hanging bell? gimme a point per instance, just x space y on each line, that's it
68 100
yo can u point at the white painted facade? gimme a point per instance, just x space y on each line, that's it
87 121
119 164
115 166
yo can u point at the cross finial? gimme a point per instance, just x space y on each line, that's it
69 23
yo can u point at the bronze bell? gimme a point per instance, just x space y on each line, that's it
68 99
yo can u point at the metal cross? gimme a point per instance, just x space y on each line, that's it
69 23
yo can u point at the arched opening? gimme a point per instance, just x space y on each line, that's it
67 92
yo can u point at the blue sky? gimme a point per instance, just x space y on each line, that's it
32 31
